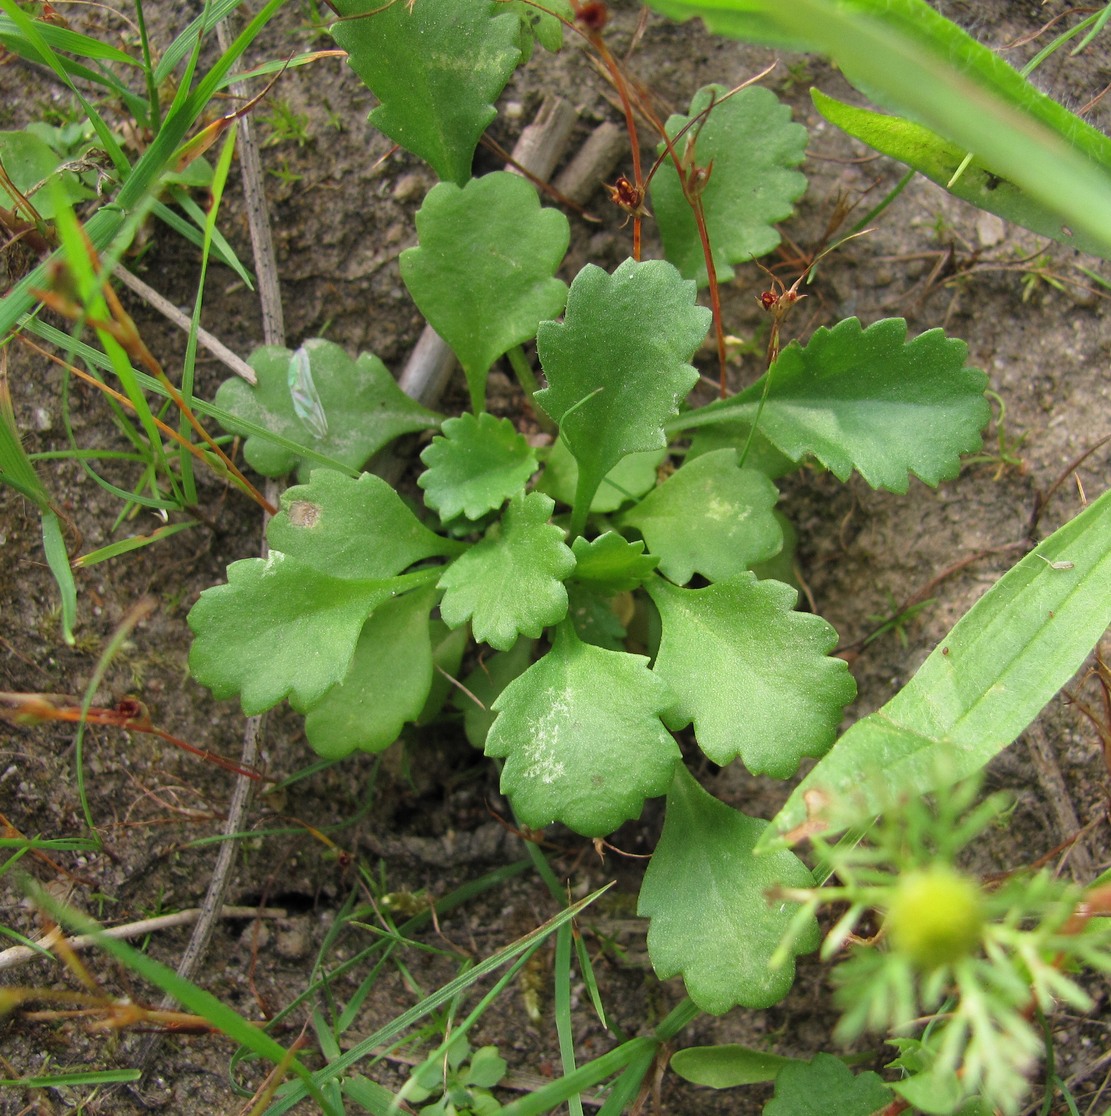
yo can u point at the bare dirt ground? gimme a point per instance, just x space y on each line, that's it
341 212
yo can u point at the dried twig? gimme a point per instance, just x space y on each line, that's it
20 955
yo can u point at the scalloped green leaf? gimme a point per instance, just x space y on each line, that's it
483 273
979 688
611 564
628 480
386 685
511 583
827 1085
581 736
709 517
475 466
869 400
280 628
940 161
361 404
752 675
618 365
437 67
705 894
750 145
486 682
355 528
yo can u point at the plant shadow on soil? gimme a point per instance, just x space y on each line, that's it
423 815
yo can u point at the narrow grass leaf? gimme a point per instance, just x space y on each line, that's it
449 991
193 999
981 686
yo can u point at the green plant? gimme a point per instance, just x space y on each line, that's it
285 124
643 525
464 1078
981 961
553 556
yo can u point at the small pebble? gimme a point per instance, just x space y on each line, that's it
408 186
990 230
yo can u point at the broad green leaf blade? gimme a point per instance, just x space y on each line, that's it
752 675
705 893
279 628
628 480
726 1066
611 564
582 739
357 529
618 365
913 61
750 145
485 683
985 682
939 160
360 402
709 517
483 272
827 1085
511 583
386 685
436 66
475 466
869 400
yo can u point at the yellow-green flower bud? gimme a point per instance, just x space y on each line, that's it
935 917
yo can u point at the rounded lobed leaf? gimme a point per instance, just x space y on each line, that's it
436 68
611 564
511 583
826 1085
582 739
618 365
709 517
706 895
352 528
868 399
280 628
773 696
483 272
475 466
749 145
361 408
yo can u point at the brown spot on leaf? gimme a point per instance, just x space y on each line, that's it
302 513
